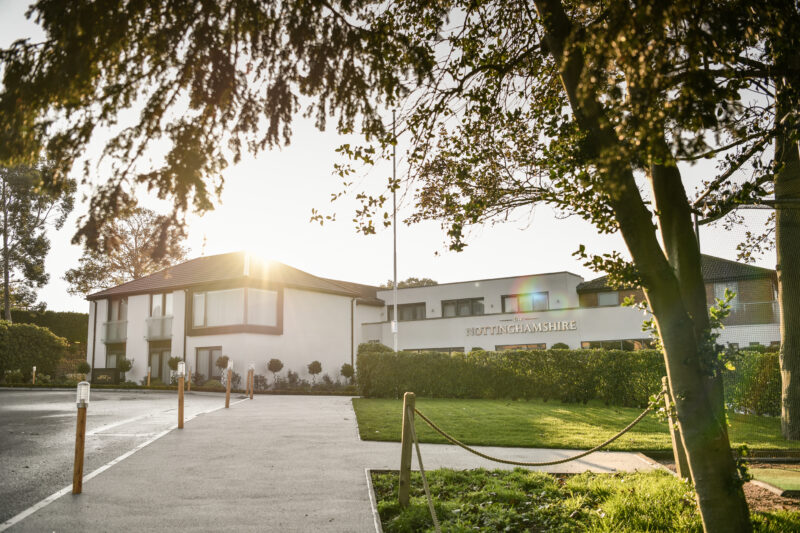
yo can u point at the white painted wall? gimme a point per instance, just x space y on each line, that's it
560 287
96 347
744 335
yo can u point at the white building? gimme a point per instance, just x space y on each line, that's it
252 311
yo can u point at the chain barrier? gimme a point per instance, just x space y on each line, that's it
425 486
457 442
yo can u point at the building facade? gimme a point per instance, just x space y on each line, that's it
253 311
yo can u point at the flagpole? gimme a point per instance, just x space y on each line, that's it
394 227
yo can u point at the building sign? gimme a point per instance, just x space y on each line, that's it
524 326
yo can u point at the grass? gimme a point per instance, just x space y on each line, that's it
522 500
784 478
539 424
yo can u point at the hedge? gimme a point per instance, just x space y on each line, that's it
615 377
72 326
23 346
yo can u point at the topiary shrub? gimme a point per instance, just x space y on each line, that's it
559 346
172 363
222 362
84 367
347 372
314 368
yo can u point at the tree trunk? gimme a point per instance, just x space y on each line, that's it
787 246
719 492
6 263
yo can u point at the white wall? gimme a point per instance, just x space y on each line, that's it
744 335
95 346
136 347
560 287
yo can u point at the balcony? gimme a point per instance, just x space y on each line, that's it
753 313
159 328
115 331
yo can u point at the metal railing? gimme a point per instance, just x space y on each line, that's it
115 331
159 328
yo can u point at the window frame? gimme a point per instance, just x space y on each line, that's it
531 294
163 297
211 363
390 311
458 301
193 331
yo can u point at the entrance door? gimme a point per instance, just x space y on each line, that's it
159 365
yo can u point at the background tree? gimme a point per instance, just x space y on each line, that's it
410 282
27 208
314 368
275 366
348 371
134 256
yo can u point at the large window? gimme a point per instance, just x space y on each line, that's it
118 309
462 307
504 347
235 307
405 312
161 305
525 303
607 298
629 345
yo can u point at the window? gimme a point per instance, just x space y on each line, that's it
504 347
449 351
462 307
607 298
218 308
161 305
206 359
406 312
525 303
118 310
629 345
262 307
719 291
111 360
159 364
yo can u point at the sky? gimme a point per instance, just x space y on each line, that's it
266 205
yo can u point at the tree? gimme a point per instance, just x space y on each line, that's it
410 282
27 208
314 368
347 371
579 106
134 256
275 366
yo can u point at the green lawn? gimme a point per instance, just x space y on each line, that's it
784 478
521 500
539 424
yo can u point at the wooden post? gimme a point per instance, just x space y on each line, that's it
189 383
252 382
681 463
406 446
180 401
228 390
80 439
148 376
34 376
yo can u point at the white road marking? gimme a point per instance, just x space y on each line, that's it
53 497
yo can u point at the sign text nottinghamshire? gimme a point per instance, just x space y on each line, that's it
529 327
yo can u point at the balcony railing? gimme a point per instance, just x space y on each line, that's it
753 313
115 331
159 328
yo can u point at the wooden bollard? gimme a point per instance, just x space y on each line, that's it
148 376
228 388
406 446
34 376
681 463
80 437
189 382
181 372
252 381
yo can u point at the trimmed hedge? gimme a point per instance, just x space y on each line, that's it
615 377
72 326
24 345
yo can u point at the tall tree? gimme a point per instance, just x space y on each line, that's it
582 106
410 282
134 256
27 208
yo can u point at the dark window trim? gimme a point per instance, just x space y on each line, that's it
517 295
399 306
193 331
209 373
460 300
163 296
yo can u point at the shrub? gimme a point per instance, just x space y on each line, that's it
84 367
13 376
559 346
23 346
314 368
124 365
260 382
222 362
753 383
347 371
198 379
44 379
292 378
213 384
172 363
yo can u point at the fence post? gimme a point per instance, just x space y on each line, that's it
681 463
189 383
409 401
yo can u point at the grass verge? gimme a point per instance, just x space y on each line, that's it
539 424
787 478
523 500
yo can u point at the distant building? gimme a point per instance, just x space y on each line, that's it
252 311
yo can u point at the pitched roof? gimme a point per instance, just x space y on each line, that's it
713 269
232 266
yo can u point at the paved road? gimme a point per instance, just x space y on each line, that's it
37 436
278 463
